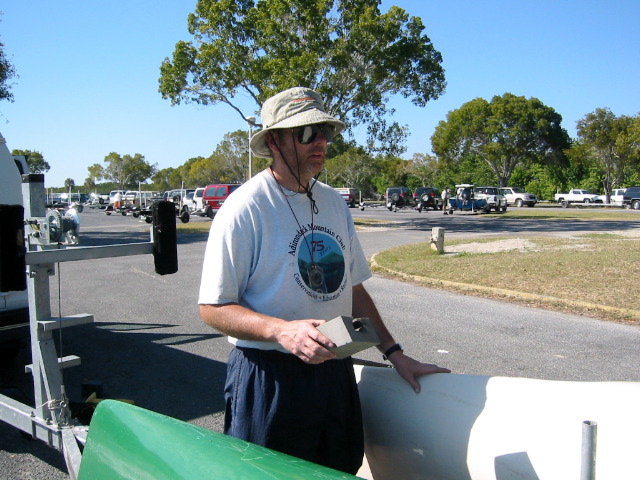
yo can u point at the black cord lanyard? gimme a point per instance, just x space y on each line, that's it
314 210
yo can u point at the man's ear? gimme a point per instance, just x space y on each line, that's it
272 143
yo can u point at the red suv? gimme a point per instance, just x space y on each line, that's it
215 195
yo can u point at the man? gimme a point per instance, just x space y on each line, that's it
445 200
282 258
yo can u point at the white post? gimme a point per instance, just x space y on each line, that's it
437 239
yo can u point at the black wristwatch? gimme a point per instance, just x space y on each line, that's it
390 350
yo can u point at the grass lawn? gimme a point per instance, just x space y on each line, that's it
592 275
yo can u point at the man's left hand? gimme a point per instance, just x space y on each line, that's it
410 369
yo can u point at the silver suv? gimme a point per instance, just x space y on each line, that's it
495 200
518 197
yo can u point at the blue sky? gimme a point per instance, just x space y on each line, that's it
88 72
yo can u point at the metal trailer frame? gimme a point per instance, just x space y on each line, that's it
50 420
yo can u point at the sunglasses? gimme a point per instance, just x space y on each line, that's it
308 133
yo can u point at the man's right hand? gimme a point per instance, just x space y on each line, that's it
305 341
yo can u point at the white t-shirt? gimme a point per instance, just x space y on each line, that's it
267 252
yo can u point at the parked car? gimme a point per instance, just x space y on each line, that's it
98 198
188 202
617 196
631 198
577 195
350 195
214 196
398 197
518 197
140 199
495 200
427 197
195 202
113 193
177 194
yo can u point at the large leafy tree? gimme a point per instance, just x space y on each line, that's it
232 156
229 162
95 173
423 168
351 168
127 171
611 142
7 72
506 132
35 160
167 178
355 56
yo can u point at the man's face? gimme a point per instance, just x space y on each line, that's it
304 148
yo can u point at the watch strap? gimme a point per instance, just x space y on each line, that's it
390 350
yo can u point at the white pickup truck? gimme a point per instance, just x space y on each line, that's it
577 195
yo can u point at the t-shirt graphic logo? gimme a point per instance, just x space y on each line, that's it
326 273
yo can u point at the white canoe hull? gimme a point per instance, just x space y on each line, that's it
496 428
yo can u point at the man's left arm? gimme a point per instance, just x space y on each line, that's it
407 367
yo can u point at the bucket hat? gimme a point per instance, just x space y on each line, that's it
291 108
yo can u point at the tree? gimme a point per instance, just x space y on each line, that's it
232 157
423 168
351 168
166 179
127 171
506 132
7 72
69 183
35 161
612 142
353 55
388 171
96 172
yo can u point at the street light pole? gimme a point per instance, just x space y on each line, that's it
251 121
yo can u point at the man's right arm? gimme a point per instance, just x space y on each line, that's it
300 337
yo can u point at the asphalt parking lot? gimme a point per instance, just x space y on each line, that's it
148 344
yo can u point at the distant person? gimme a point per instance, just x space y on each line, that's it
282 258
445 200
117 200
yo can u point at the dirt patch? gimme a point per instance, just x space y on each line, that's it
520 244
524 245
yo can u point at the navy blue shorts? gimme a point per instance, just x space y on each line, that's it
312 412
